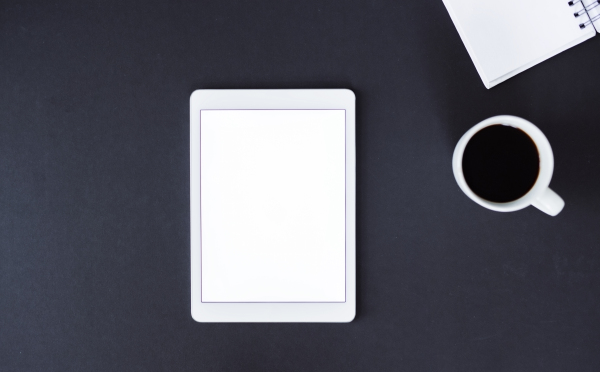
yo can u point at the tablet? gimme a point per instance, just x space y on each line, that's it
272 201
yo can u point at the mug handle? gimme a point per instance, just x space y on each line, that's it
549 202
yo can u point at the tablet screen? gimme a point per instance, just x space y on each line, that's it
272 205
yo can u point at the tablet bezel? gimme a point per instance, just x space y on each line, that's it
272 99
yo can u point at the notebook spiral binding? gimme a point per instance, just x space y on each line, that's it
585 11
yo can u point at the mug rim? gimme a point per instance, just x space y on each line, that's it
546 159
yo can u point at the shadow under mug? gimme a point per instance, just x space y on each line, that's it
540 195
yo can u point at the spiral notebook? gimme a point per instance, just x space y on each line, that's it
506 37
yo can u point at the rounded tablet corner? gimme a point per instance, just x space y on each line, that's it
195 95
196 316
350 93
350 317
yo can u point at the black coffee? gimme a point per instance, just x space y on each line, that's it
501 163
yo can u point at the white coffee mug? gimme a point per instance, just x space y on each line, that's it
540 195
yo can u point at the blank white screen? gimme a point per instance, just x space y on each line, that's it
273 205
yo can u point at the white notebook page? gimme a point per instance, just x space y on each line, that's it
505 37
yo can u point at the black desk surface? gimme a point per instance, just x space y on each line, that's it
94 190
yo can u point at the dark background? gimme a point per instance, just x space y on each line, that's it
94 190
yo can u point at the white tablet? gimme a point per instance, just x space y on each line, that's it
272 199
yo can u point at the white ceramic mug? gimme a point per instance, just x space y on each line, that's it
540 195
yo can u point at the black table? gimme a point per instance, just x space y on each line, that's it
94 190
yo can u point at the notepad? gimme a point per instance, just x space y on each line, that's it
506 37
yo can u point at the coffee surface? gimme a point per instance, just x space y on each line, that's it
501 163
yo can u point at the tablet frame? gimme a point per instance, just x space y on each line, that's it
272 99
